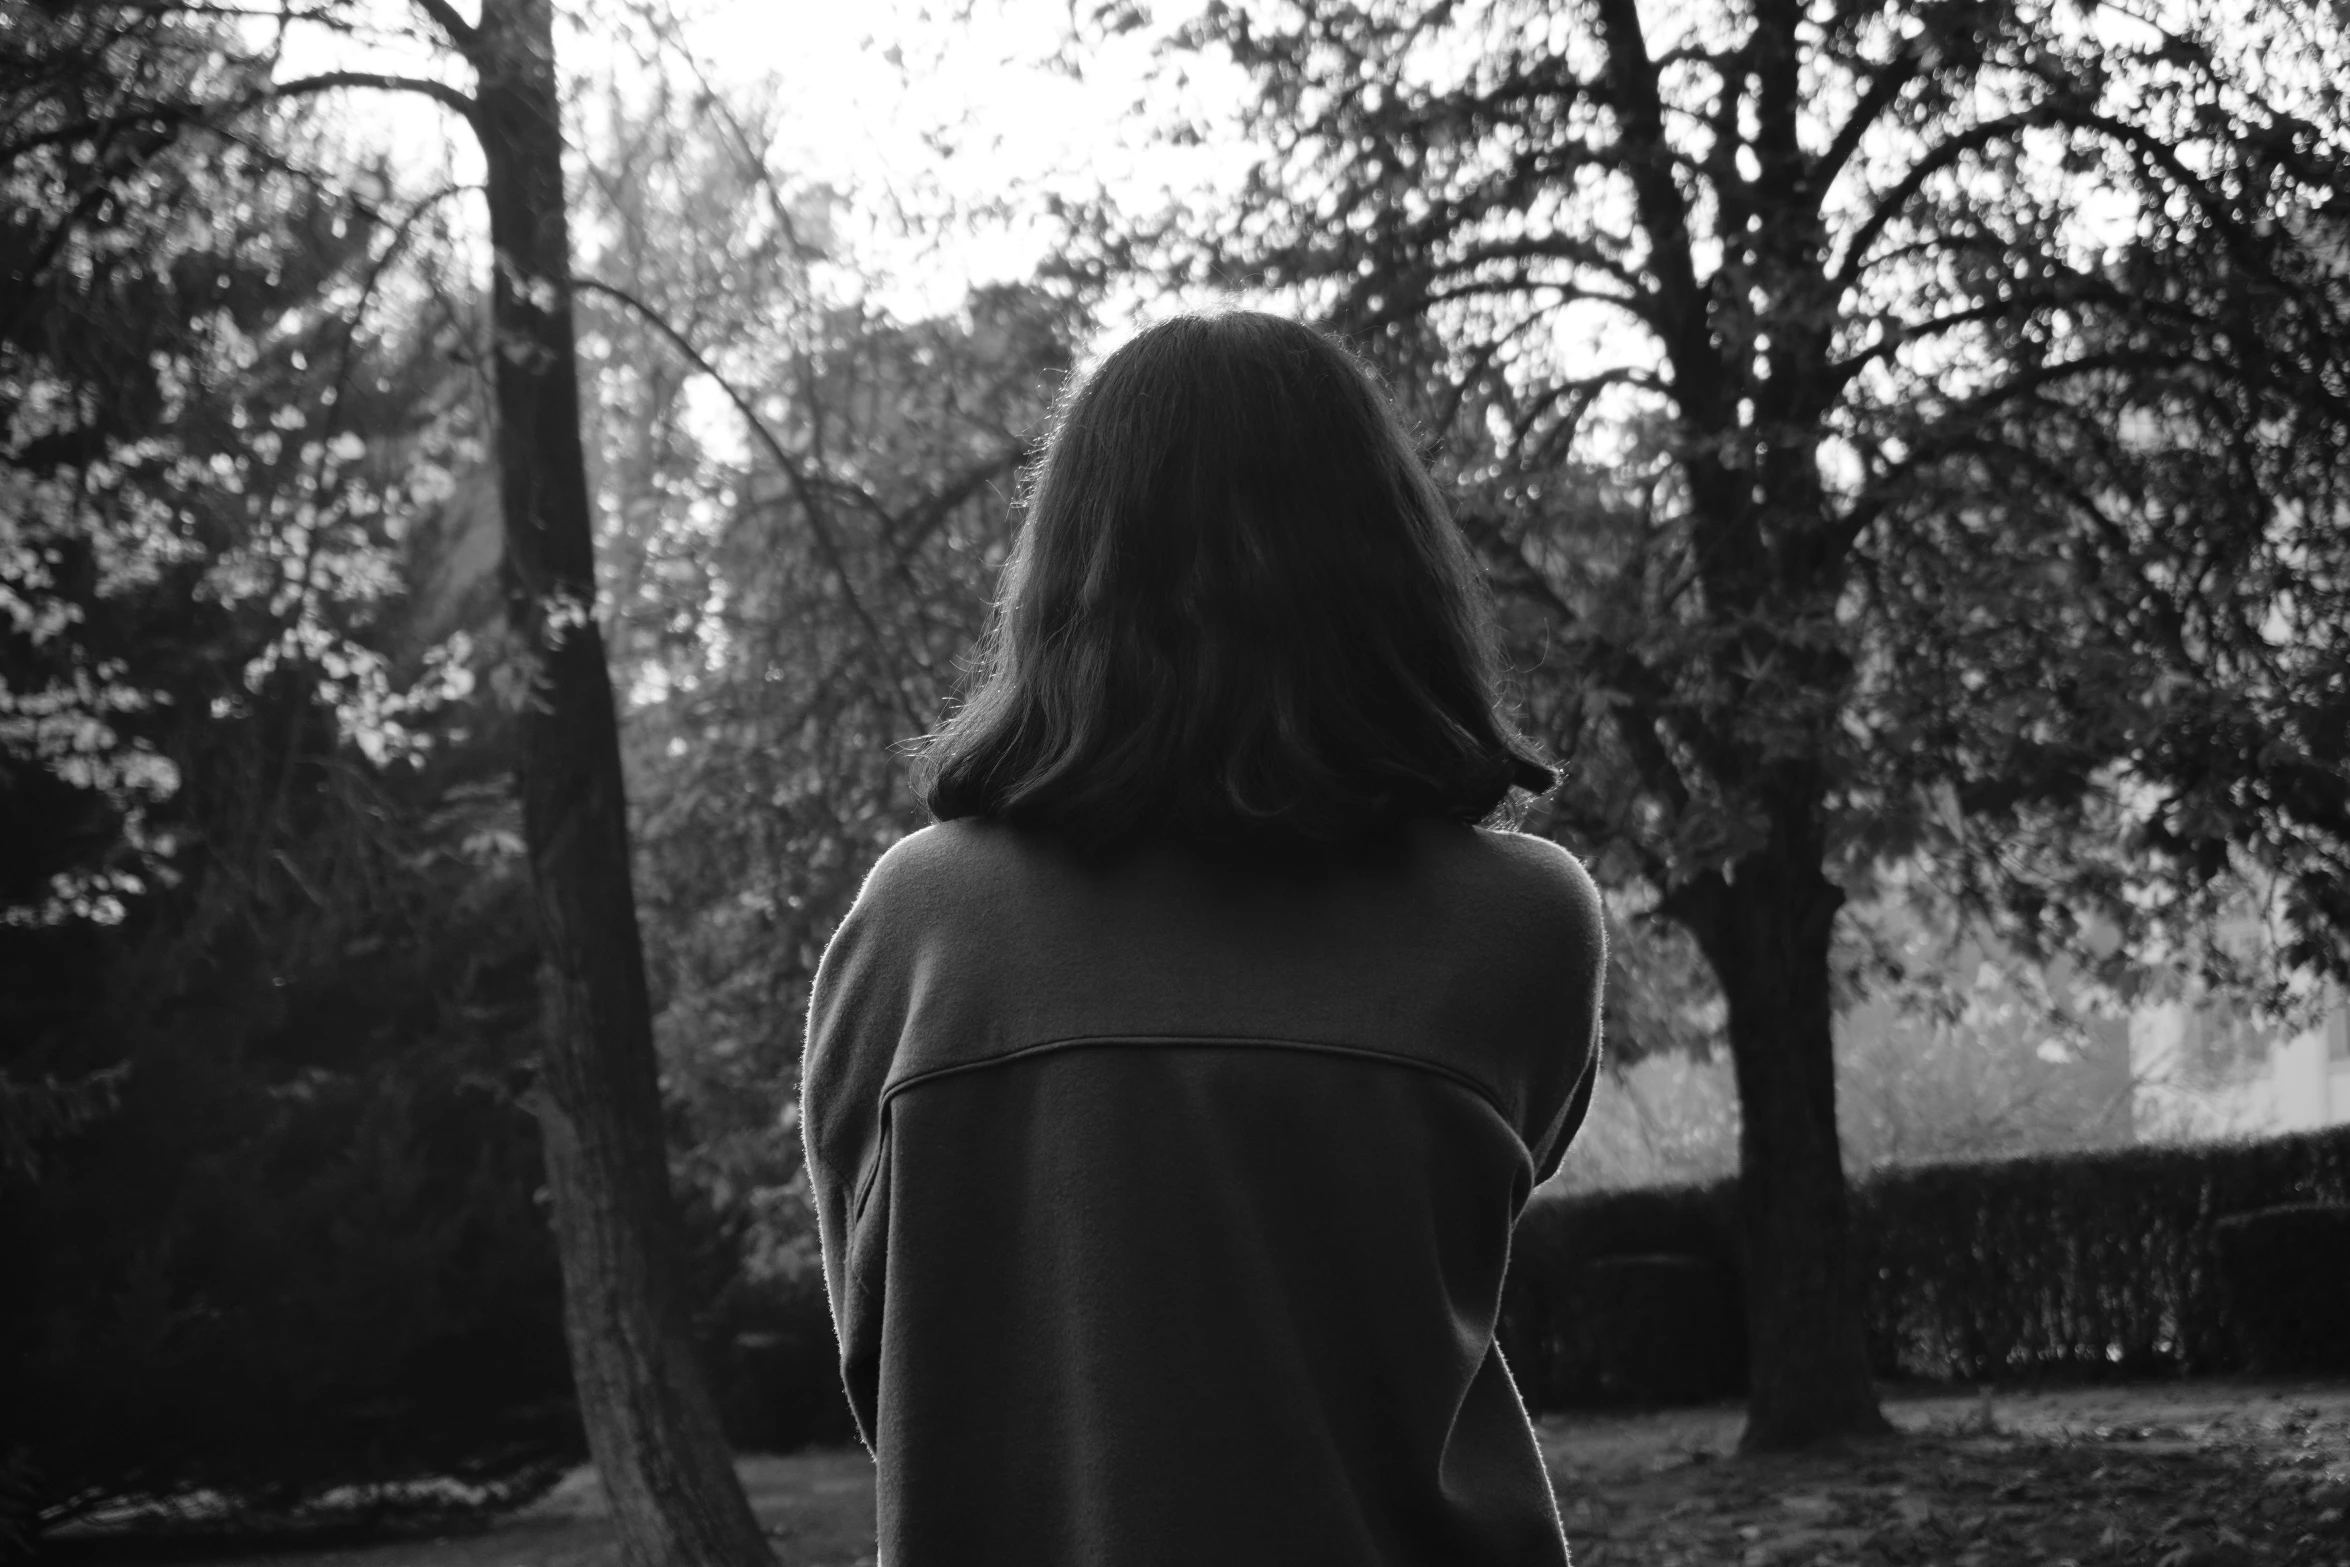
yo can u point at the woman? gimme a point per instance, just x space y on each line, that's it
1169 1104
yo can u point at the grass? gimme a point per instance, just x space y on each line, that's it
2201 1474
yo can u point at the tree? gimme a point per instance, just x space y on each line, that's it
1896 433
271 1227
649 1419
650 1422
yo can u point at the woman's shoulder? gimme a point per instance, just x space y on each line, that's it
946 862
927 856
1538 857
931 851
951 867
1541 866
1532 881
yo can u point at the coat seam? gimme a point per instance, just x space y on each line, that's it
1082 1041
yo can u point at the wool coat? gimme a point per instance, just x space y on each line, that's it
1164 1200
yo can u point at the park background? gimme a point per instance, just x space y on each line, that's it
1954 502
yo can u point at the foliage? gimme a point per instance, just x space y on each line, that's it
789 597
1947 1048
293 1260
2083 1264
303 1250
1949 395
178 393
270 1208
1658 998
1952 1047
32 1114
1663 1120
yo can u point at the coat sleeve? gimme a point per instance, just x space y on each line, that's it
1584 951
856 1015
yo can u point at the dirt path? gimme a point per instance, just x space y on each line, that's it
2209 1474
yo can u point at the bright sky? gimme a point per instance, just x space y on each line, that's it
900 105
876 90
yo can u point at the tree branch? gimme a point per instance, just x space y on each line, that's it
1559 247
1733 202
803 487
1640 718
1901 334
166 115
1632 92
2046 375
1579 395
910 531
462 33
452 98
1558 293
1884 87
753 161
1937 158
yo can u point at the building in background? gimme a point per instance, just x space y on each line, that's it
2206 1071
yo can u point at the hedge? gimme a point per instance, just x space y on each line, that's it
2061 1265
2287 1273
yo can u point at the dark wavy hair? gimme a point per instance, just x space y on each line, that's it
1238 614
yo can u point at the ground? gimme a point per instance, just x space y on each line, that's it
2183 1475
2206 1474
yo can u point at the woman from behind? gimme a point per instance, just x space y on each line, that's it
1170 1101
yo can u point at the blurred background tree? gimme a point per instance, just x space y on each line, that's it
794 579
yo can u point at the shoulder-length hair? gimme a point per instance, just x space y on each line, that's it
1237 614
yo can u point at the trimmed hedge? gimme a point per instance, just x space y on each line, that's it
2071 1265
2286 1272
1671 1323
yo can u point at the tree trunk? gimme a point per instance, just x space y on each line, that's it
651 1427
1765 928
